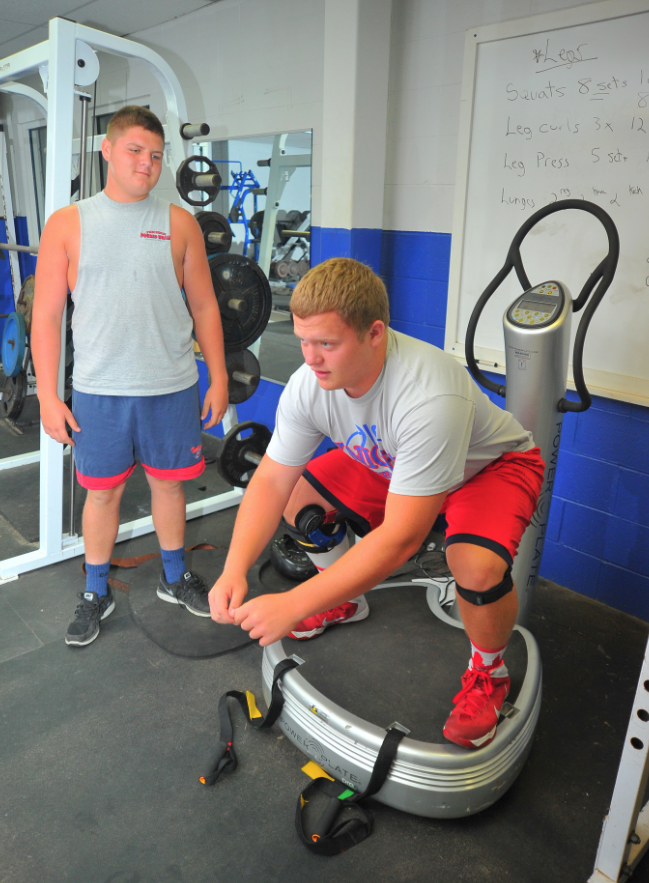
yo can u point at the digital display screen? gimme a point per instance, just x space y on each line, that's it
536 305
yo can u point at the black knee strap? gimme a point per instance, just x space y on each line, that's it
491 595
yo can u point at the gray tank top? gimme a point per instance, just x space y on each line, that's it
132 331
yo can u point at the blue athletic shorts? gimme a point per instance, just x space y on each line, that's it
162 432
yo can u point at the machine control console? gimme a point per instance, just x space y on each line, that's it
538 307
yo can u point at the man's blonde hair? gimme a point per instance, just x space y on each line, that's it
130 116
346 287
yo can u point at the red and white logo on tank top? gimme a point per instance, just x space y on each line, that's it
155 234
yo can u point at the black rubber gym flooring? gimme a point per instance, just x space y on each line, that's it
102 747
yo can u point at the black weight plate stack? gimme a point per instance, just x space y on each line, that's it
14 394
232 463
244 299
243 362
213 222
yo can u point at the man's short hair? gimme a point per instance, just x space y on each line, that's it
346 287
133 115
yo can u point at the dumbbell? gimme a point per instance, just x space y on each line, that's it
241 456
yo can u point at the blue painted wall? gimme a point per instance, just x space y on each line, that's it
26 263
6 291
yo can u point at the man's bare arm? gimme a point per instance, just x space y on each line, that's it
197 282
406 524
50 295
259 514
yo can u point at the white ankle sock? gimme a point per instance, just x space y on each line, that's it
486 658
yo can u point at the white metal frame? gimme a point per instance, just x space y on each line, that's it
22 145
282 166
625 836
58 54
7 202
21 149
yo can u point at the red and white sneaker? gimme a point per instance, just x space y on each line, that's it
472 723
350 611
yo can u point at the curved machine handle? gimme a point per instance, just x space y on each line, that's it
601 277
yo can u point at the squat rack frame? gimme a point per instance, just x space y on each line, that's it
56 57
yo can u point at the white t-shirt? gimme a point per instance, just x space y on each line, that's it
425 425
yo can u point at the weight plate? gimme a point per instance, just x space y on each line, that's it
295 217
26 302
244 299
14 394
232 463
255 224
13 344
213 222
242 363
186 180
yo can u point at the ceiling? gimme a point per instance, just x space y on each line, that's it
24 22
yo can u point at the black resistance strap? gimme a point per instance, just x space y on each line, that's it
223 759
327 837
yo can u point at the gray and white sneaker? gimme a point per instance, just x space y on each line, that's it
92 608
189 592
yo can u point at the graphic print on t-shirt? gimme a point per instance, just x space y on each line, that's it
364 446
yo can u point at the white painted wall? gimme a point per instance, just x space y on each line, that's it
424 103
250 67
247 67
254 67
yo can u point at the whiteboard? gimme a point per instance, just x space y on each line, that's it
557 106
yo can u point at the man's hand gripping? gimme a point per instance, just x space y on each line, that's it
225 596
267 617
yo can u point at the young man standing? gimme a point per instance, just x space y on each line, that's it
415 437
125 256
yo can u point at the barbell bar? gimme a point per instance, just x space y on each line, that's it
191 130
287 234
243 377
9 246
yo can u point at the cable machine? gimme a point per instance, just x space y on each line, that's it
66 60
